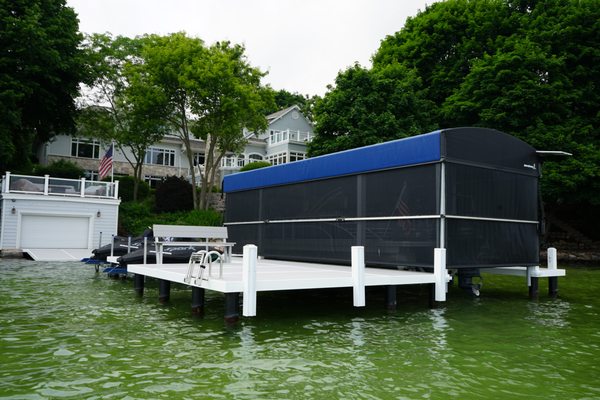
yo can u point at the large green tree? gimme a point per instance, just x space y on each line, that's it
212 93
121 104
529 68
40 71
371 106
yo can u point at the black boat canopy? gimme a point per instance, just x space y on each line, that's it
473 191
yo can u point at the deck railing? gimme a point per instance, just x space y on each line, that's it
277 137
48 186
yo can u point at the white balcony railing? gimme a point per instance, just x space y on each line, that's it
47 186
277 137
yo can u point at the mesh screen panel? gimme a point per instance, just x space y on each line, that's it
328 198
488 243
242 206
483 192
401 192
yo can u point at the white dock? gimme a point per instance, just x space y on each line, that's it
250 274
274 275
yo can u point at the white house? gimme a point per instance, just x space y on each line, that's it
45 216
284 140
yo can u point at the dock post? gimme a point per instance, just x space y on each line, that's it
112 245
440 273
164 290
534 288
553 280
358 276
232 314
390 298
197 300
249 280
138 284
145 249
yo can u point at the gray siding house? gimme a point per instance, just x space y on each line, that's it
284 140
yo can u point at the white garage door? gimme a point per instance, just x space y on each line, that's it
54 232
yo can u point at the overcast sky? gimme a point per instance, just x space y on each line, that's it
302 44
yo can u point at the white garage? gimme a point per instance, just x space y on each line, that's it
43 231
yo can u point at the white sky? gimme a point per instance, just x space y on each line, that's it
302 44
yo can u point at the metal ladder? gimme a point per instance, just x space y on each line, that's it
199 261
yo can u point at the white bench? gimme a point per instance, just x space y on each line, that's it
168 236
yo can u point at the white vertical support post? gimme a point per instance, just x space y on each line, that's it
552 259
112 245
46 183
145 249
249 280
82 188
440 273
6 183
358 275
116 189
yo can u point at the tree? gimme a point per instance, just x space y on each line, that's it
212 94
172 63
40 70
529 68
284 99
371 106
122 105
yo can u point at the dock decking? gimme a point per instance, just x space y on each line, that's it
249 275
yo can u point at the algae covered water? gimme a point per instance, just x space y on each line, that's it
67 332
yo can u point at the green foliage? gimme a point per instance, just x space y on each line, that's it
134 217
530 69
284 99
60 169
371 106
41 67
124 107
126 185
211 93
255 165
173 194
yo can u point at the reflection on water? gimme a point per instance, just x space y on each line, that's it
66 332
550 314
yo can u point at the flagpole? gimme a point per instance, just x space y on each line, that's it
112 164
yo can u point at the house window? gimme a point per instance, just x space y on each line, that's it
199 159
158 156
153 180
296 156
255 157
85 148
276 159
91 175
241 160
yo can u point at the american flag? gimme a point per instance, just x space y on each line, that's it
106 163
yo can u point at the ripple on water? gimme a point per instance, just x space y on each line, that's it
67 333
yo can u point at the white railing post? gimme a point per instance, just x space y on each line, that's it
440 273
6 183
249 280
82 188
358 275
552 259
116 189
46 183
145 249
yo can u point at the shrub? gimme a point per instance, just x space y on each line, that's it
135 217
60 169
255 165
126 188
174 194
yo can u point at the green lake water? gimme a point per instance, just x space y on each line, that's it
67 332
